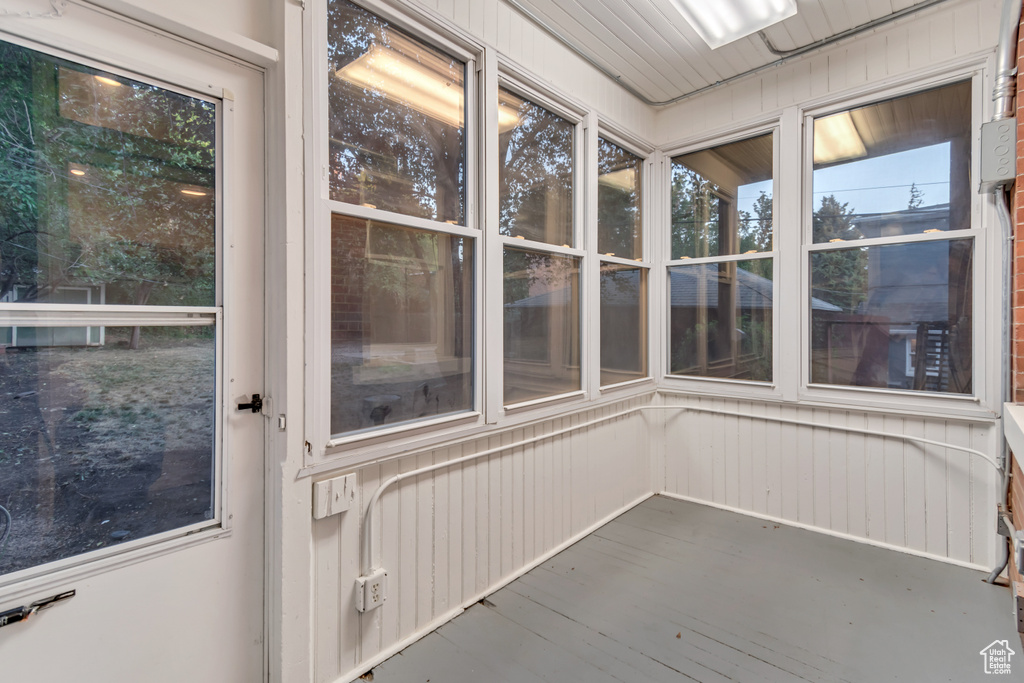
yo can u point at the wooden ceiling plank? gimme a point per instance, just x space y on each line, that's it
878 8
858 12
814 16
571 28
688 45
836 14
645 35
898 5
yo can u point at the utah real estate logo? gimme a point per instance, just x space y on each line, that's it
997 657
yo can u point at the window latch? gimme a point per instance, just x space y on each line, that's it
256 405
13 616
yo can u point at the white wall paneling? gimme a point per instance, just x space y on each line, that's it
906 495
450 537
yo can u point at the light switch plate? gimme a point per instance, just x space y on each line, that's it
332 496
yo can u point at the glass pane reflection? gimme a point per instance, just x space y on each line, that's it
401 324
396 112
623 323
896 316
101 444
722 200
618 201
542 325
535 150
721 320
107 187
898 167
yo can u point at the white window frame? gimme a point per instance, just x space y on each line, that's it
515 79
643 151
723 386
982 403
323 447
103 315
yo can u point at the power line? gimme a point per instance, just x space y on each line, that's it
881 187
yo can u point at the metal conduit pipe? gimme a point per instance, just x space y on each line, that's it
866 26
1006 58
784 54
369 562
1006 223
1003 96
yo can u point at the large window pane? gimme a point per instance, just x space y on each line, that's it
535 171
899 167
107 187
623 323
401 324
396 119
896 316
721 320
618 201
542 325
102 444
722 200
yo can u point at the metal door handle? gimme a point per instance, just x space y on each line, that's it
255 406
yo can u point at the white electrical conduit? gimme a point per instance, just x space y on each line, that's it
370 563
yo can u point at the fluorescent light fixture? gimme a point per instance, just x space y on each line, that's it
108 81
624 179
720 22
194 193
403 79
836 139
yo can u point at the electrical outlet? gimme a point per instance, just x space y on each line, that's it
371 590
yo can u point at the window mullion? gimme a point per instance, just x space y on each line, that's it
493 295
591 295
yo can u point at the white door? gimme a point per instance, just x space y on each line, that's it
131 179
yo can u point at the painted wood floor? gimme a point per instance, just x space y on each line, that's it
675 591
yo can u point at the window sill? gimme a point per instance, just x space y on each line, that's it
516 408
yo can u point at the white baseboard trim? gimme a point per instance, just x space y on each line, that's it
829 532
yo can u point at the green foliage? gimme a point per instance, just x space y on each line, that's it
91 180
384 152
838 276
618 206
694 214
756 231
915 197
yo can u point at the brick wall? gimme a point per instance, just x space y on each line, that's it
1017 348
1016 496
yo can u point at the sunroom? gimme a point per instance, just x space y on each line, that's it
509 340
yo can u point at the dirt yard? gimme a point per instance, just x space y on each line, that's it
103 445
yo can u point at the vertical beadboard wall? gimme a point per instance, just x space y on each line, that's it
950 31
925 499
449 537
516 37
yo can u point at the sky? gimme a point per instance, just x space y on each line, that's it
875 185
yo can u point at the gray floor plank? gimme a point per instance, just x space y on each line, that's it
749 601
583 640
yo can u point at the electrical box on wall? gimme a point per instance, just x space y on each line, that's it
998 154
371 590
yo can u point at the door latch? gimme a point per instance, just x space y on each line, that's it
13 616
255 406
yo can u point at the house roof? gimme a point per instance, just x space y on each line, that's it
755 291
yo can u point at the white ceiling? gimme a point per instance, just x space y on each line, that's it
654 52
